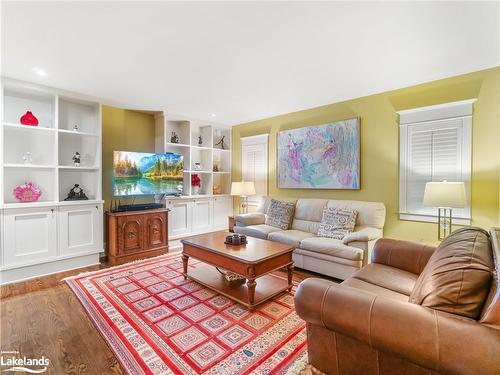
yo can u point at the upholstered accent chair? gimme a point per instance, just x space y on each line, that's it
413 310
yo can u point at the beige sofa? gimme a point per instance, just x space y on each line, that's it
335 258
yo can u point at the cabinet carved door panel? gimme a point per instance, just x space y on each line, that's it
130 235
156 231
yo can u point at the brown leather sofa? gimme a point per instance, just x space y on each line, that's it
413 310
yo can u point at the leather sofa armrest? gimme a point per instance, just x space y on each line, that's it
435 340
365 235
405 255
253 218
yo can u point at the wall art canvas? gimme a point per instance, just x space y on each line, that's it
320 157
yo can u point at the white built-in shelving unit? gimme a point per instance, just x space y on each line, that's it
206 210
50 234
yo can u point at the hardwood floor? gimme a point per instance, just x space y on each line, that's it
43 317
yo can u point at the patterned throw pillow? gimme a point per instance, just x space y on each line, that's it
337 222
280 214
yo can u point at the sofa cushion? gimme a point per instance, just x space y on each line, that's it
291 237
308 214
457 276
331 246
387 277
375 289
337 223
370 214
280 214
258 231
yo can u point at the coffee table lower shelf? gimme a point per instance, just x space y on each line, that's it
268 286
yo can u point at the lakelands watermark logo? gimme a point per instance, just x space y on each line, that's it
16 363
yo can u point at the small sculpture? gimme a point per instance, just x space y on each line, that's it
200 140
197 166
76 159
76 194
174 138
221 143
75 128
27 158
215 168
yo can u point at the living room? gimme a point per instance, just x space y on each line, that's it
250 187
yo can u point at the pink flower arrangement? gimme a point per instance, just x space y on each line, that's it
27 192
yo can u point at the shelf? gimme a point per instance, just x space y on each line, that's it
168 144
201 147
12 125
84 134
50 203
222 172
193 171
83 168
29 166
220 149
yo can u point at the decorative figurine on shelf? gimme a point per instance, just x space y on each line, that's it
76 194
221 143
215 168
75 128
27 158
76 159
195 184
174 138
27 192
216 189
200 140
197 166
29 119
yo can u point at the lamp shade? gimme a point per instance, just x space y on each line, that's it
243 188
445 194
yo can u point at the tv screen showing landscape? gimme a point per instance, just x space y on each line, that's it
139 173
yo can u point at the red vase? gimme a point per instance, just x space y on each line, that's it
29 119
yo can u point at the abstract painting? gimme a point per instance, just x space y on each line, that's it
320 157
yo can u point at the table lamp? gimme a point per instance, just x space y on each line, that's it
243 189
445 196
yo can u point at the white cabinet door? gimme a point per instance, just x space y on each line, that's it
223 207
30 235
179 217
202 215
80 229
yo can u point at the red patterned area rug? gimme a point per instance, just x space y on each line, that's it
155 322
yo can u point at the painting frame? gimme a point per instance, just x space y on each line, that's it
350 178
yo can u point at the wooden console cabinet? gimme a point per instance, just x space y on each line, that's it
136 235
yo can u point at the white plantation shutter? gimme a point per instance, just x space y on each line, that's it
433 149
254 165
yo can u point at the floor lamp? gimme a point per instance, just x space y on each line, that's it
445 196
243 189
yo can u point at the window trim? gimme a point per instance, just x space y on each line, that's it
434 114
261 139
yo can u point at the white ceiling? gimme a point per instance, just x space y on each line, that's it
243 61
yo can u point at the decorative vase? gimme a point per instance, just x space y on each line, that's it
27 192
29 119
196 190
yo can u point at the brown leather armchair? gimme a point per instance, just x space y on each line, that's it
413 310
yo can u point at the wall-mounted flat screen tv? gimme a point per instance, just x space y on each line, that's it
140 173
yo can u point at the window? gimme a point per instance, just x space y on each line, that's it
435 145
254 165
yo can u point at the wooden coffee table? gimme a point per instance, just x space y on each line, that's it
254 261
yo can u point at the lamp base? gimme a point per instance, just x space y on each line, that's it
444 222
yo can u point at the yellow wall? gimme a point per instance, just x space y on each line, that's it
123 130
380 146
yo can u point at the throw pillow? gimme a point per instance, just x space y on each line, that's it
337 222
457 277
280 214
